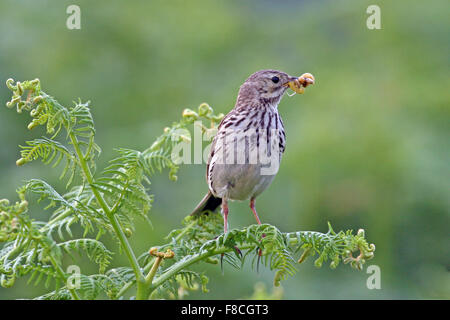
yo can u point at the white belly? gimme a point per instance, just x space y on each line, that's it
239 181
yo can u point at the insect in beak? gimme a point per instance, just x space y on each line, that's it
299 84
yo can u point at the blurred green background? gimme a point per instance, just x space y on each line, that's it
367 146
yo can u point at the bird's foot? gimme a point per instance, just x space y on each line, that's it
259 259
259 250
236 250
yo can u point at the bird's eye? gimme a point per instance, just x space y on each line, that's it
275 79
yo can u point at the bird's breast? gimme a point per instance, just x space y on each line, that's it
246 153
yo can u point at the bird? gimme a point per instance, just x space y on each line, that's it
251 132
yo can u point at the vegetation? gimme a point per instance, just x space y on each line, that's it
111 200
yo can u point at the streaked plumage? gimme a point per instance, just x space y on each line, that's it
249 125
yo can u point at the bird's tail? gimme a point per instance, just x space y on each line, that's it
208 203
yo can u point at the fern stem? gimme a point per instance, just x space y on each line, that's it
62 274
185 230
151 274
111 217
124 289
151 264
63 215
119 201
174 269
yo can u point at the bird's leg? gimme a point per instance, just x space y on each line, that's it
252 206
225 214
225 229
225 225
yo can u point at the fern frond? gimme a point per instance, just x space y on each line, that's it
90 286
82 120
46 191
277 249
94 249
50 152
118 278
40 271
61 294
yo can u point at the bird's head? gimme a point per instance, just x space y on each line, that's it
268 86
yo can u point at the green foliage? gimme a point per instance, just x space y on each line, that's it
199 239
110 201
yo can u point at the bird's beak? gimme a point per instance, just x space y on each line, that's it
299 84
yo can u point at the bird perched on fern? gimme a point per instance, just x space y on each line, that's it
246 152
110 200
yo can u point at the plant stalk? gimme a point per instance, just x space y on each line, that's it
111 217
61 273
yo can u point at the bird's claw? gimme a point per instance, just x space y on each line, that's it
259 258
238 251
